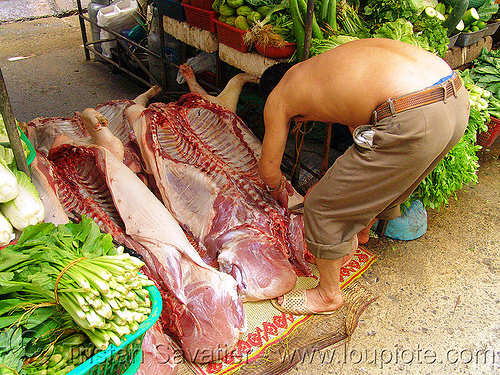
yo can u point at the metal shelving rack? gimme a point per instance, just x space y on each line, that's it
123 44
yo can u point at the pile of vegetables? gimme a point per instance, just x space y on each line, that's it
486 72
284 22
462 17
460 165
20 204
241 14
68 284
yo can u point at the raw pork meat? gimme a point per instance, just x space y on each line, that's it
158 354
44 131
204 160
91 181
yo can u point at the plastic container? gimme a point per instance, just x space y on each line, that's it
467 39
93 9
276 52
231 36
116 17
201 18
453 40
487 138
124 359
411 225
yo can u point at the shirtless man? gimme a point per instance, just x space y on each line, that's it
392 153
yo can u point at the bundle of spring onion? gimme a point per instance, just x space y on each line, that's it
78 267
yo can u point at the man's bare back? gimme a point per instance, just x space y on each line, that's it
347 83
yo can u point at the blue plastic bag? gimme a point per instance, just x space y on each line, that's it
411 225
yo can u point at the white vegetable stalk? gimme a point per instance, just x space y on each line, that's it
26 208
6 231
8 183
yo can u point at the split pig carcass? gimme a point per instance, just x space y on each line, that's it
204 160
88 179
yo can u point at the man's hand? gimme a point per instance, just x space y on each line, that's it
282 193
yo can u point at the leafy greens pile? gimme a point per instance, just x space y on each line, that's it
58 280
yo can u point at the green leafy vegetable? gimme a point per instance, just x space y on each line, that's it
25 208
8 182
78 267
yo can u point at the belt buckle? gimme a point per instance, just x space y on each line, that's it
392 107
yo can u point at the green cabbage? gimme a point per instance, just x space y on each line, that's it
26 208
4 138
8 182
6 231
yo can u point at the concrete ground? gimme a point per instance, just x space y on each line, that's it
438 310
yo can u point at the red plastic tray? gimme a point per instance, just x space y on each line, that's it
275 52
231 36
200 18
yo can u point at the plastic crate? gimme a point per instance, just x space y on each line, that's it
172 9
202 4
487 138
126 358
200 18
231 36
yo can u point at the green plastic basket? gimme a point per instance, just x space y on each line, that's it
126 358
24 139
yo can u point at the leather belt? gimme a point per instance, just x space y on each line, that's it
420 98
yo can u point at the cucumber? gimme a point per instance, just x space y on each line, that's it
430 11
460 26
298 28
470 16
440 16
481 25
441 8
456 15
332 14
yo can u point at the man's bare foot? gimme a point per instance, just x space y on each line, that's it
318 301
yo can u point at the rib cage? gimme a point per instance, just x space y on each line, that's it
81 187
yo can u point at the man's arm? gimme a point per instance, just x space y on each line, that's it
277 124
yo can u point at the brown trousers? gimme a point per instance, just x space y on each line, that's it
379 172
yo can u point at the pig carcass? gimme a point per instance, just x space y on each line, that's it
89 180
204 160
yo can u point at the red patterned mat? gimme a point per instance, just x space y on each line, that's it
272 337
